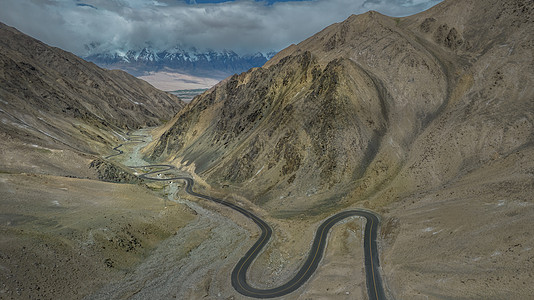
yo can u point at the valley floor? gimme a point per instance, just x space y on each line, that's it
197 261
68 237
65 237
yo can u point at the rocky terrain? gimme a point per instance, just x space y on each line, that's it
52 97
64 232
66 237
426 119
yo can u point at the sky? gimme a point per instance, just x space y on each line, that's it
244 26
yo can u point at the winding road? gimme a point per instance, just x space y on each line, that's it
239 278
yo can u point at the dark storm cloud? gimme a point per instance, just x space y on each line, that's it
88 5
243 26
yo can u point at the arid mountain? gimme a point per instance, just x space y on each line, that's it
428 119
352 106
53 96
64 232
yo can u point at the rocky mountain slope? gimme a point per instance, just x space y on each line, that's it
428 119
63 231
351 107
49 96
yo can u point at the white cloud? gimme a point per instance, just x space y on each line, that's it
242 26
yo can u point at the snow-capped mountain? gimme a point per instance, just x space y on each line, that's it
215 64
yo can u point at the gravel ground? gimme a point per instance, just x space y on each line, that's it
197 261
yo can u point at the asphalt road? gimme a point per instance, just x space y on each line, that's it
239 278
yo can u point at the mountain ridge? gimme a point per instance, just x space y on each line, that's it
328 72
43 87
212 64
434 56
427 119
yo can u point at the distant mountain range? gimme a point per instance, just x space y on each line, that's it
212 64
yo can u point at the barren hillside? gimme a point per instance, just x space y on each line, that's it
427 119
49 96
63 231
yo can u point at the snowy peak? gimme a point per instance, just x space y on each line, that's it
194 62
